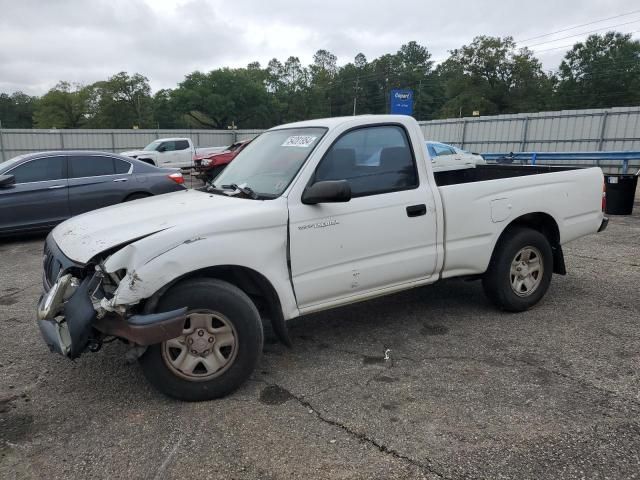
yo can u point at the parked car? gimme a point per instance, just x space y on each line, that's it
209 165
447 157
302 222
40 190
171 152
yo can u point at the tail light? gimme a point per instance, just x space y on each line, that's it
604 197
177 177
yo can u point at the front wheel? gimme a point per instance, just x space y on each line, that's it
520 270
219 347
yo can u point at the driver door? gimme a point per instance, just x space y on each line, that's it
167 154
383 237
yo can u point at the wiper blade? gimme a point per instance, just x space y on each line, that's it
211 188
245 190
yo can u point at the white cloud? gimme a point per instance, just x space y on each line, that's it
43 41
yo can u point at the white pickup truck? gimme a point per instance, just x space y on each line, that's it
303 220
170 152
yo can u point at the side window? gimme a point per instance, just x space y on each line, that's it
432 152
443 150
90 166
181 144
169 146
372 159
121 166
40 170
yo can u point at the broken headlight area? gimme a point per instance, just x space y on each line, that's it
66 313
78 311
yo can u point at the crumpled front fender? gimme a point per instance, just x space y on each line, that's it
156 261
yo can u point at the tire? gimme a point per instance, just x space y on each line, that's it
511 282
164 364
136 196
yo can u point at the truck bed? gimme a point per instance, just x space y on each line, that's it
493 172
479 202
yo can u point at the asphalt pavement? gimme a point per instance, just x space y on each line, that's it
431 383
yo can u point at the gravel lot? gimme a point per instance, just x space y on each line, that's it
467 392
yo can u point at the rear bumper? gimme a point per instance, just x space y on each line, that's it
603 225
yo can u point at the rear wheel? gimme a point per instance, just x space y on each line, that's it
520 270
219 347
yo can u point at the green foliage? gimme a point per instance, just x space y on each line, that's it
122 101
491 75
64 106
16 110
604 71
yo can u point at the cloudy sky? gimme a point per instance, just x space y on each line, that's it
44 41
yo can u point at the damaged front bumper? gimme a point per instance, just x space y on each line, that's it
70 318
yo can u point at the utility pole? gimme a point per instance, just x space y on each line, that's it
2 159
386 92
355 97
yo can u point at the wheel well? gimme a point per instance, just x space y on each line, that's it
141 194
546 225
251 282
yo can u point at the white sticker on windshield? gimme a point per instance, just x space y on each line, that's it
303 141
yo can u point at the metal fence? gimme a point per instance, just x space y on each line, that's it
18 141
614 129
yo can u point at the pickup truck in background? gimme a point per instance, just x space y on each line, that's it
310 216
171 152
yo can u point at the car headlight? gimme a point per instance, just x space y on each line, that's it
206 162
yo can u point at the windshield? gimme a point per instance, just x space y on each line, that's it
268 164
152 146
4 166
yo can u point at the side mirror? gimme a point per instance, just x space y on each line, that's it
162 148
7 180
328 191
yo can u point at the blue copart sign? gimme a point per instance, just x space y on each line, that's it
402 102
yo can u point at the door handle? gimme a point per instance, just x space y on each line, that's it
416 210
53 187
120 180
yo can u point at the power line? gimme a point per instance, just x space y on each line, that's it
583 33
577 26
569 46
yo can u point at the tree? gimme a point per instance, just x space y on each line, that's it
64 106
122 101
222 96
16 110
603 71
492 76
166 113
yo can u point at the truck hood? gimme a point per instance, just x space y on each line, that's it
193 212
131 153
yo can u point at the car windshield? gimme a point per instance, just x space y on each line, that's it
4 166
268 164
152 146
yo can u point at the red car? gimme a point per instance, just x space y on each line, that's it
210 165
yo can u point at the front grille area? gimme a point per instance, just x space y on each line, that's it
50 267
53 262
